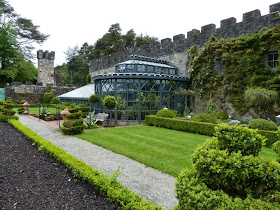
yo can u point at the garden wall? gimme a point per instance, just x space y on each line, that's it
33 93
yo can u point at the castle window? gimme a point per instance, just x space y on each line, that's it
272 60
219 68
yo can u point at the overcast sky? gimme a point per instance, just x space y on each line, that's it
70 23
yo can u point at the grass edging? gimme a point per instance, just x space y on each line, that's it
106 184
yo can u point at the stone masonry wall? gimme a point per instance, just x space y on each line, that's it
32 93
45 67
174 50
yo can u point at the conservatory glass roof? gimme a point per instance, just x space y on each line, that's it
80 93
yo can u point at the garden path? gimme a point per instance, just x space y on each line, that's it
150 183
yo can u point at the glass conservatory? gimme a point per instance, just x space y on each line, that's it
142 86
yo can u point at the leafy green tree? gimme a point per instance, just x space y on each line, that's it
16 35
129 39
61 71
77 66
140 40
27 31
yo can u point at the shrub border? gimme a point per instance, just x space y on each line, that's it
106 184
199 127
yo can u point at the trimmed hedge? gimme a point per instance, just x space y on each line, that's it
271 137
72 130
166 113
3 118
199 127
71 123
263 124
106 184
226 175
74 116
181 125
193 193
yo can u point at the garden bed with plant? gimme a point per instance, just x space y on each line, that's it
32 180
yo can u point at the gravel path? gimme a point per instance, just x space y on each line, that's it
155 186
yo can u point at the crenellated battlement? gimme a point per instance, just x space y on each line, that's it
45 55
229 28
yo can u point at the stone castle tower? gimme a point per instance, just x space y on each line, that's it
45 67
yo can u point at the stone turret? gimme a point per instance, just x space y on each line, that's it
45 74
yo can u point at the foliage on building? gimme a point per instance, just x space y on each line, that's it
224 68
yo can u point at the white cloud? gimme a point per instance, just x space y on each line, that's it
72 23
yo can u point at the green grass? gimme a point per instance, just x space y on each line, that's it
167 150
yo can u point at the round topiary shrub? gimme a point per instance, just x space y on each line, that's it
262 124
47 98
204 117
93 99
55 100
166 113
109 102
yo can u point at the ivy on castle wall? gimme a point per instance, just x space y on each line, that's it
244 66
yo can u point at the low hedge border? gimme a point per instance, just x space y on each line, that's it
106 184
181 125
199 127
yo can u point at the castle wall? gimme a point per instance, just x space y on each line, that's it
45 74
32 93
174 50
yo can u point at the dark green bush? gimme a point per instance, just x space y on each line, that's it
71 123
205 117
166 113
109 102
55 100
193 193
72 130
181 125
8 112
20 110
223 116
13 117
66 104
74 116
3 118
237 138
276 147
85 109
226 176
262 124
94 99
74 109
47 98
9 104
271 137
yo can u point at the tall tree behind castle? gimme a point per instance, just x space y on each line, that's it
16 35
111 42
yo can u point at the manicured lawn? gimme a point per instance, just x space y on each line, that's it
166 150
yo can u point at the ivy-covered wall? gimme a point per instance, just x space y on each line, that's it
243 66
